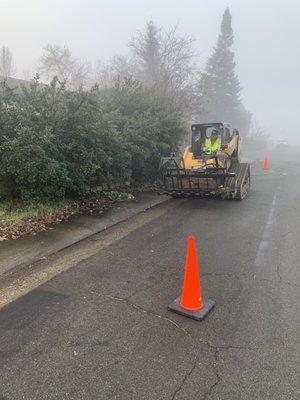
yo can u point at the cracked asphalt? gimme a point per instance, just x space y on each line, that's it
101 329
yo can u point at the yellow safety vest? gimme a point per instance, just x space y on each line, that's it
212 147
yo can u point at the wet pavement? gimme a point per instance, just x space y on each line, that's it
102 330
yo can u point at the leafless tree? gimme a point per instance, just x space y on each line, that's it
108 74
176 60
164 60
80 75
147 54
58 61
6 62
257 131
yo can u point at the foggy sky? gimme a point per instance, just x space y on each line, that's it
267 41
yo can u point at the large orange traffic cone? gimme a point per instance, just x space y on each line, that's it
191 296
266 164
191 303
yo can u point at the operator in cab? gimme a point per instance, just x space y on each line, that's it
212 144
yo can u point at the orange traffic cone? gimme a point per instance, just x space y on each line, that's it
191 303
191 298
266 164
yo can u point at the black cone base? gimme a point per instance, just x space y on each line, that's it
197 315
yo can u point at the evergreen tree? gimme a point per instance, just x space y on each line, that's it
219 86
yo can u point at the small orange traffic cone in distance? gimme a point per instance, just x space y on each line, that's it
266 164
191 304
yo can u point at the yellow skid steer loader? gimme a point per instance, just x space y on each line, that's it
210 166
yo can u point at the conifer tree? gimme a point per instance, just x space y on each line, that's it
219 85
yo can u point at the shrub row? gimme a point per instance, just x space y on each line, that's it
56 143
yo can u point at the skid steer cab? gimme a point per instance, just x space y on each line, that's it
209 166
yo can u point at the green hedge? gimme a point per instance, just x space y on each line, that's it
56 143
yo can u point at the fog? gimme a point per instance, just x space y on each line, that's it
267 41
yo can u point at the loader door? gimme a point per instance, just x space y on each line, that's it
227 135
197 141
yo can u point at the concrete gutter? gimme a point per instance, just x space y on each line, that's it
19 253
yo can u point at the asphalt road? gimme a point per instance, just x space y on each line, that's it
101 329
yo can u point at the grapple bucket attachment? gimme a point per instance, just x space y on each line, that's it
181 182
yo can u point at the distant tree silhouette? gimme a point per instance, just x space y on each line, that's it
6 62
219 86
162 60
58 61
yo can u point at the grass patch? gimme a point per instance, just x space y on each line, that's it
14 214
26 218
